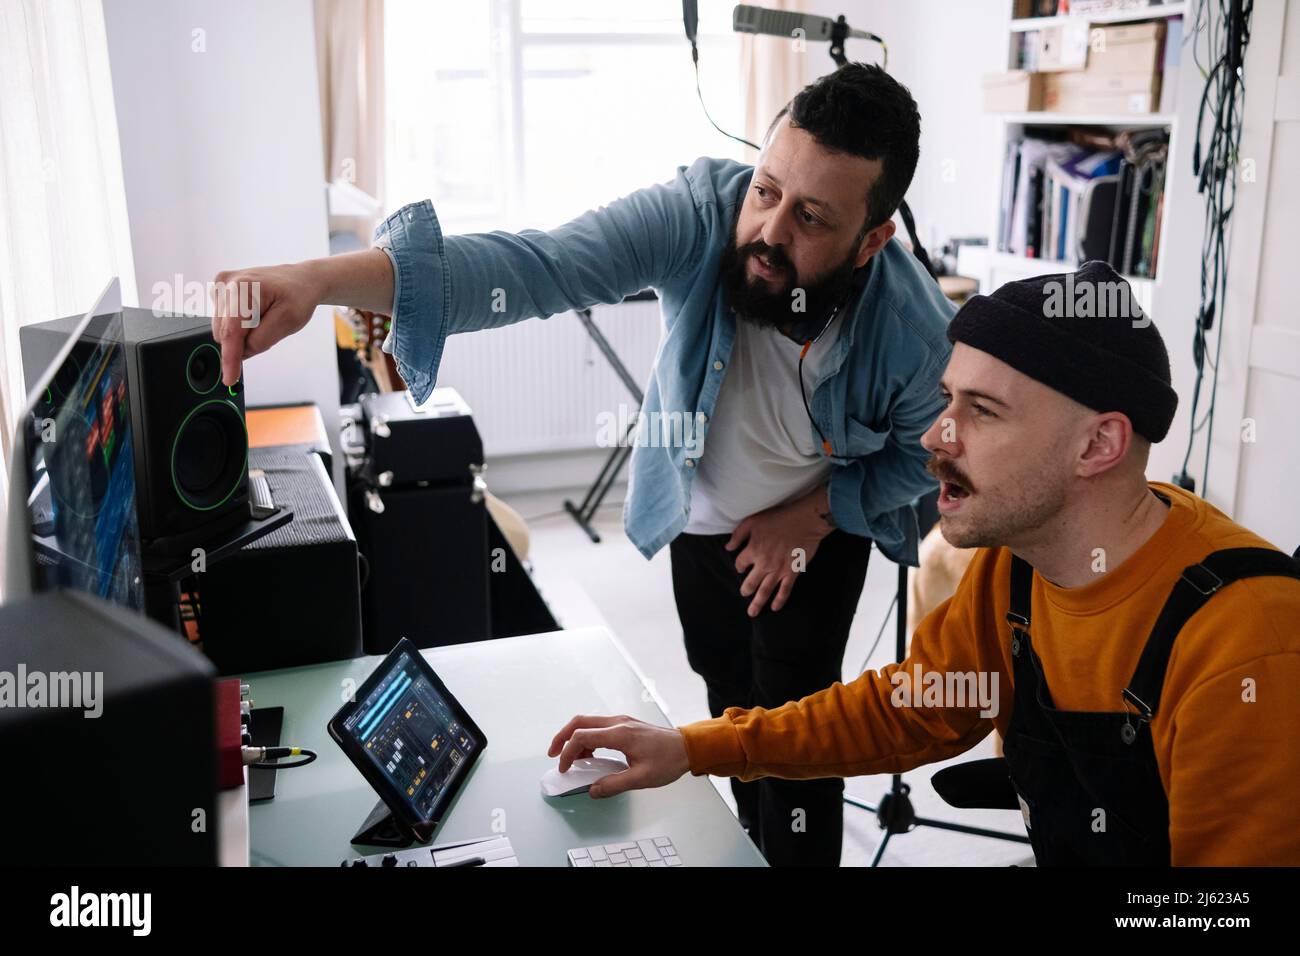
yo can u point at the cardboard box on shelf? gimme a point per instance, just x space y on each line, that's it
1014 91
1127 48
1088 92
1063 47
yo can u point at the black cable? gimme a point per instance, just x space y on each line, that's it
695 59
879 634
529 519
1232 126
260 756
884 50
909 223
826 445
1215 157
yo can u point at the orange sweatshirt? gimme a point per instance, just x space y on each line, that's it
1226 736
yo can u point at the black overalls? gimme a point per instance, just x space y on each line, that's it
1089 782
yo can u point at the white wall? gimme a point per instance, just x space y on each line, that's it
218 114
1177 285
1256 449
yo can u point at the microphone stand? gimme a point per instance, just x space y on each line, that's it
894 812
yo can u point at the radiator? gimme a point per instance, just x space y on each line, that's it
542 386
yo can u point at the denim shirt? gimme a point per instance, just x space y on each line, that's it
878 393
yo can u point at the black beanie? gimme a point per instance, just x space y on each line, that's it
1082 334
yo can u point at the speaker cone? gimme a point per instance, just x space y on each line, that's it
203 368
209 454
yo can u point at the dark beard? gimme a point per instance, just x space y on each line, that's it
754 303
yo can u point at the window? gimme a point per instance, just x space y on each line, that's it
524 113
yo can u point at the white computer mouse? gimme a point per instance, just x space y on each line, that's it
582 774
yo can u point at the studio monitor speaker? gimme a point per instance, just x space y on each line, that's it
190 443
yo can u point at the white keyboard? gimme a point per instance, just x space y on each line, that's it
658 851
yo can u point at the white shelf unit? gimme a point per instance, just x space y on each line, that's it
1117 120
995 267
1155 12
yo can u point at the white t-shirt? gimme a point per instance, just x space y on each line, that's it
760 449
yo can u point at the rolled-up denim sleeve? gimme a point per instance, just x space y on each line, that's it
872 496
446 284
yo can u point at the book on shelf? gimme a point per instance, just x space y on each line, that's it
1094 197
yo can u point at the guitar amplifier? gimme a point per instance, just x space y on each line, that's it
292 597
435 442
426 566
417 503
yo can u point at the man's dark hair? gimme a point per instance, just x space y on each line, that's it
863 111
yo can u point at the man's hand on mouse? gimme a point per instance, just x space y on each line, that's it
656 756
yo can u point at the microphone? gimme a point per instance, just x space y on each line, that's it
781 23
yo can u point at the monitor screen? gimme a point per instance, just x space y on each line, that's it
411 733
78 447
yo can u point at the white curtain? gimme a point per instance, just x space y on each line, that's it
63 224
350 65
772 71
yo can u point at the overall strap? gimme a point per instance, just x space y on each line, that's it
1022 580
1199 582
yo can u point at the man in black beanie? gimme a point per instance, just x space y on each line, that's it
1067 347
1136 648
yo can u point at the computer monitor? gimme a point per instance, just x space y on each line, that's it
72 512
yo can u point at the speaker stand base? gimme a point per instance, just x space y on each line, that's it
164 569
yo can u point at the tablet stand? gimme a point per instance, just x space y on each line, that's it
381 828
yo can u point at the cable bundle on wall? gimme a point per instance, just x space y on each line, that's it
1221 34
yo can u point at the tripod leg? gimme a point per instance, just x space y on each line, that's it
861 804
623 454
573 509
587 508
973 831
880 849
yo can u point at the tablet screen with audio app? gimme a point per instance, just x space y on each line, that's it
409 737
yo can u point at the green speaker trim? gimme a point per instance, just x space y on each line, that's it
194 411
